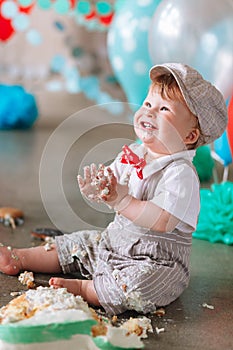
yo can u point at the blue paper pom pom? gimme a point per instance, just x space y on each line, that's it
18 109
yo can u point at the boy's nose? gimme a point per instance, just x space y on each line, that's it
151 113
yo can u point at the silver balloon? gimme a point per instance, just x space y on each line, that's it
198 33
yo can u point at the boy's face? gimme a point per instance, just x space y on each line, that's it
165 126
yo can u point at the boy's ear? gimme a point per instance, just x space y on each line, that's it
192 137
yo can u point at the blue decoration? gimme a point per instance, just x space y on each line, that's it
59 25
18 109
34 37
44 4
222 148
57 63
90 87
103 7
83 7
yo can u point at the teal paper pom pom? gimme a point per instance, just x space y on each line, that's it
215 222
18 109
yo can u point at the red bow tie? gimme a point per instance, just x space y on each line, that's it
129 157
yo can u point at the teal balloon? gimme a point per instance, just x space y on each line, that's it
128 47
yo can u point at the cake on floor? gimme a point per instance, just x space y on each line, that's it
56 319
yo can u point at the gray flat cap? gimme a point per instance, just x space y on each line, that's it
202 98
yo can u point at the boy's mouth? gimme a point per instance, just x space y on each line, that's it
147 126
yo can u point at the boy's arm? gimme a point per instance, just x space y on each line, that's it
142 213
147 214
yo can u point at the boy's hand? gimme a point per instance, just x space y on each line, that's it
97 184
101 185
116 197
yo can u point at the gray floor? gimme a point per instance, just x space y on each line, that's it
33 183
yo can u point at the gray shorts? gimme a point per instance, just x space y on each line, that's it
131 270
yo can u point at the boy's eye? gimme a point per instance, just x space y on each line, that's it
164 108
147 104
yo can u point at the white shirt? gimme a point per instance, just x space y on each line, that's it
170 182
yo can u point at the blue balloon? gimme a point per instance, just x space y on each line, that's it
222 149
128 47
18 108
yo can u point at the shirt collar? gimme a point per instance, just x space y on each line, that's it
161 162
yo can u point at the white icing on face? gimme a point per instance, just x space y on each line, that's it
146 134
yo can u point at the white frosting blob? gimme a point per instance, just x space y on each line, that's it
61 316
119 337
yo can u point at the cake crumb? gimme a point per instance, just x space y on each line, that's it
160 312
114 319
99 329
159 330
27 279
49 242
211 307
15 294
124 287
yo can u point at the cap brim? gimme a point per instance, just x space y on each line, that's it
158 70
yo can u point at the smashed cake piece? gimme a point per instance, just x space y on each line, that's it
56 319
17 309
27 279
42 301
139 326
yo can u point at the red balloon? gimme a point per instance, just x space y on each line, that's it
230 124
6 29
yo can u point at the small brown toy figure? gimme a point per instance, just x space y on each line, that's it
11 216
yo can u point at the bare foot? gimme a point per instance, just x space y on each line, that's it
85 288
9 261
72 285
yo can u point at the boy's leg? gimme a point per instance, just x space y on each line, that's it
37 259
